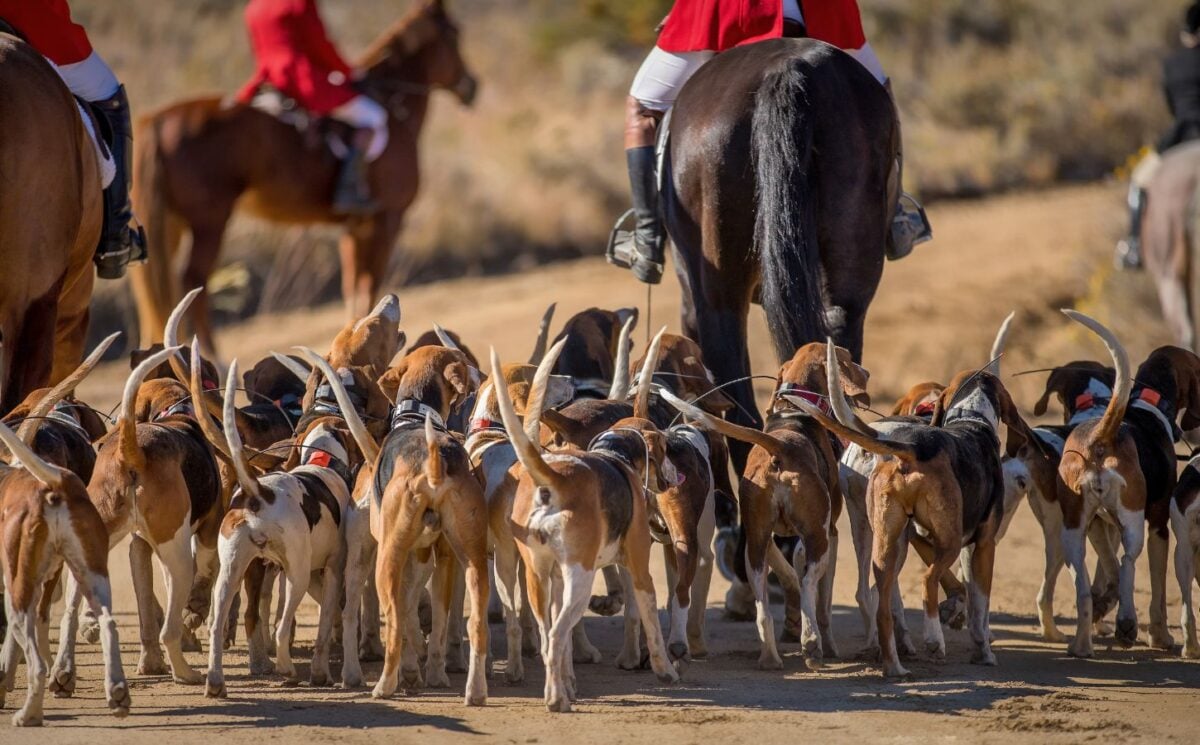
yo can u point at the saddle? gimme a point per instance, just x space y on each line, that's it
316 130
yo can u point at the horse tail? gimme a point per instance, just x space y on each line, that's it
152 282
785 230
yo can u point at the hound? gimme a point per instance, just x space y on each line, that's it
294 520
791 488
1121 464
47 522
157 481
947 478
1084 389
425 496
574 512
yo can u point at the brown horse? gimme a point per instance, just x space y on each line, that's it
1171 239
197 158
51 210
781 189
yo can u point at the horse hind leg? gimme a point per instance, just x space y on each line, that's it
1176 310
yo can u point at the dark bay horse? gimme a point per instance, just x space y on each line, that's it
196 159
1171 239
780 191
51 212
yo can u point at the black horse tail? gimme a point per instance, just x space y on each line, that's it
785 229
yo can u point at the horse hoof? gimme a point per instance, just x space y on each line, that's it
1127 632
215 689
606 605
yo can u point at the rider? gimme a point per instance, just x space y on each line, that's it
47 26
693 33
295 57
1181 83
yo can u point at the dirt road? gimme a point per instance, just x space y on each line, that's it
936 313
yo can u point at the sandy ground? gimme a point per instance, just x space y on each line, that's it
936 313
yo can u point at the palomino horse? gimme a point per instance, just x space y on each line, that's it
197 158
51 211
1171 239
781 158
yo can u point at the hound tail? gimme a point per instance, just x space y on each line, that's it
641 401
126 425
543 334
366 443
1114 413
237 454
527 450
720 426
43 407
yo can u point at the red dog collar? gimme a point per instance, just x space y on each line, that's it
816 399
319 458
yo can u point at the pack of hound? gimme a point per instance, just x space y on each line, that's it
415 495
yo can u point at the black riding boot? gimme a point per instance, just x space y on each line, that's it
121 241
352 195
1129 248
642 248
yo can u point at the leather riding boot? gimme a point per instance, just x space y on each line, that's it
121 241
641 249
352 195
1129 248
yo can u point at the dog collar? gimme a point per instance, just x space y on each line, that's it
1050 438
322 459
588 387
481 424
925 408
182 407
411 412
291 407
62 413
1095 397
819 400
963 414
1152 401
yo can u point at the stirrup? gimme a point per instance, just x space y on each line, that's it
910 227
1128 255
619 251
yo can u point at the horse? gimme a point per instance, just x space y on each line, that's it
194 161
51 214
1171 239
780 187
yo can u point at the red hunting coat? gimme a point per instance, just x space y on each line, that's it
294 55
718 25
47 26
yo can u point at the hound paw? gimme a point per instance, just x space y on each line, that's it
1052 634
770 660
151 665
677 651
869 653
629 659
215 688
383 689
606 605
953 612
62 682
261 666
437 678
1160 638
187 676
895 671
119 700
188 642
352 679
370 650
558 704
411 680
586 655
514 673
319 678
1080 648
1191 650
22 719
981 657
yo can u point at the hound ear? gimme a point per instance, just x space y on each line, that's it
389 382
1019 433
624 314
459 377
1191 410
854 379
1054 384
